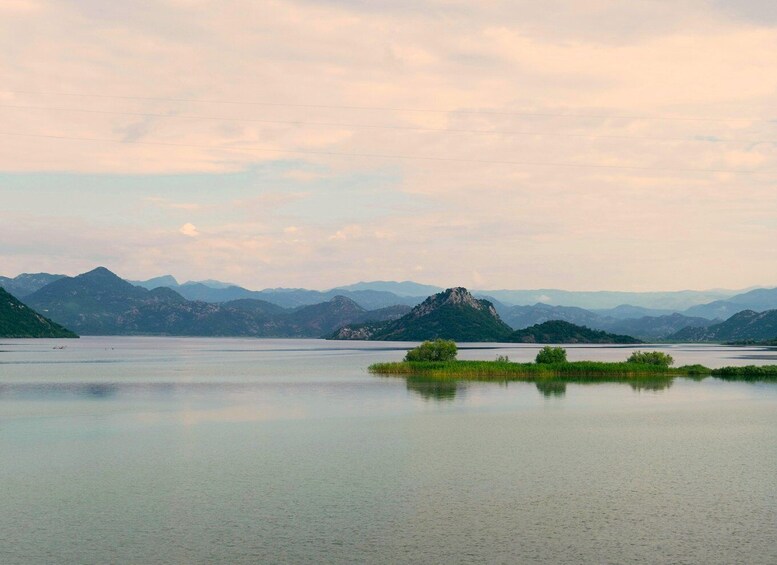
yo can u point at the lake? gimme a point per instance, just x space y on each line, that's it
176 450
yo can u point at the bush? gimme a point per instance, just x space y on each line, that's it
502 359
651 358
550 354
437 350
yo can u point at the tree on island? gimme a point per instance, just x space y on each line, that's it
651 358
437 350
550 354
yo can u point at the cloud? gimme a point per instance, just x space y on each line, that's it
531 141
189 230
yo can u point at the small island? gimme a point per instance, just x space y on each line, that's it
437 360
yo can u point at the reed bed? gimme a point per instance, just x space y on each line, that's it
505 370
748 372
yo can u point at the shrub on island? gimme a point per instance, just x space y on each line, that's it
651 358
437 350
550 354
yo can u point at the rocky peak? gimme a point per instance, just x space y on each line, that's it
458 297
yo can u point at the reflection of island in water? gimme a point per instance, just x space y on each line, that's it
430 388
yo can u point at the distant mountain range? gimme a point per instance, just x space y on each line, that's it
404 288
108 304
101 303
759 300
18 320
676 301
643 327
27 283
605 303
742 326
218 292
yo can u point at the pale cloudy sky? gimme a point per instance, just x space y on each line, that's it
578 144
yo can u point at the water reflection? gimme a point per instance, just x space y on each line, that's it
651 385
432 389
96 391
552 388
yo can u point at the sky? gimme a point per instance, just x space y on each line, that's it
575 144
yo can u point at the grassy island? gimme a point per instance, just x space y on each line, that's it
507 370
436 360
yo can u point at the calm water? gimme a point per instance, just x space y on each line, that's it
143 450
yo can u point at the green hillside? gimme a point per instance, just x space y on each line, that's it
18 320
557 331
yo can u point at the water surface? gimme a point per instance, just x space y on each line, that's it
167 450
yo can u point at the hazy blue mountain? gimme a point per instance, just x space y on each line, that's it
759 300
673 301
403 288
211 283
199 291
295 297
170 281
18 320
101 303
745 325
369 299
519 317
452 314
165 280
317 320
557 331
644 327
257 307
27 283
653 327
761 297
628 311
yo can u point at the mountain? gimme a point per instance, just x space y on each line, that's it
322 319
452 314
557 331
628 311
644 327
101 303
403 288
27 283
746 325
759 300
165 280
211 283
675 301
18 320
294 297
519 317
653 327
256 307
